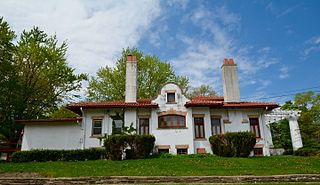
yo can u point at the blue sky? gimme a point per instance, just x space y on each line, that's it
276 44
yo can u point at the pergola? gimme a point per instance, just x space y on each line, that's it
292 116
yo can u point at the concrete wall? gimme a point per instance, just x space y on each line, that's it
52 136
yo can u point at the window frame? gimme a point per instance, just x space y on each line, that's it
212 126
254 125
94 127
177 121
174 97
182 149
144 126
198 125
163 150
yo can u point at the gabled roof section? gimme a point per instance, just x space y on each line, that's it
218 102
142 103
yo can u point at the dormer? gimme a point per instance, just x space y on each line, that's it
171 97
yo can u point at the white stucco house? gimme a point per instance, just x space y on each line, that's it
180 125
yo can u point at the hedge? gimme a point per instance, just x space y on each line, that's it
58 155
307 151
233 144
135 146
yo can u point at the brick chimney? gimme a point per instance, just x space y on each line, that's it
131 79
231 89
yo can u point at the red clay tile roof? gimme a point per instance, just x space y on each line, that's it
143 103
218 102
50 120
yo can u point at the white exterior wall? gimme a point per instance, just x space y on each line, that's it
88 115
130 117
172 136
62 136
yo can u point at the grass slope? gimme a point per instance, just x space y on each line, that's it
175 166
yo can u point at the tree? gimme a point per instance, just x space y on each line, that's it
35 77
8 81
63 112
45 78
202 90
309 121
152 74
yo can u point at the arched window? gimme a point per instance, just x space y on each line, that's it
172 121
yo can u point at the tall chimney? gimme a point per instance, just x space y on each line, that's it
231 89
131 79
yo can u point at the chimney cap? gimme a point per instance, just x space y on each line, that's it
131 58
229 61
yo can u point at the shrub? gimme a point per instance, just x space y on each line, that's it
58 155
136 146
307 151
233 144
288 152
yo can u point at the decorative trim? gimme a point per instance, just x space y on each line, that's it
258 146
227 121
253 116
97 117
182 146
172 112
198 115
163 146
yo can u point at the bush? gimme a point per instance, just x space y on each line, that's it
307 151
136 146
233 144
288 152
58 155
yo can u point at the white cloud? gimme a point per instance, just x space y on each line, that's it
312 46
96 31
202 58
284 72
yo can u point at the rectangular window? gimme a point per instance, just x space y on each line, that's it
96 127
163 151
254 127
171 97
199 127
258 151
172 121
216 126
182 151
144 126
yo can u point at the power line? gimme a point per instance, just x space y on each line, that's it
290 91
280 96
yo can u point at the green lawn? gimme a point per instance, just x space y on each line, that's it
176 166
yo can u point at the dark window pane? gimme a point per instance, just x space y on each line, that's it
171 121
215 126
182 151
171 97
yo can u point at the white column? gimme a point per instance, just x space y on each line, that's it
295 133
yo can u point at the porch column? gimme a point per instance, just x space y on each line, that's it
295 133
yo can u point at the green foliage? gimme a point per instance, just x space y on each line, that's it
233 144
34 78
281 134
309 121
58 155
307 151
152 74
63 112
203 90
139 146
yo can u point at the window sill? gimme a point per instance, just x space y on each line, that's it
171 128
96 136
200 139
171 102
